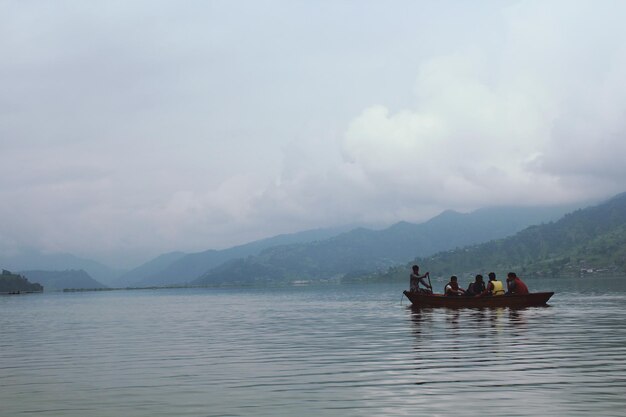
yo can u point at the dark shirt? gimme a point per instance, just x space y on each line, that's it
475 288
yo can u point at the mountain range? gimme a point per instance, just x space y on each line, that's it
363 249
314 254
179 268
586 241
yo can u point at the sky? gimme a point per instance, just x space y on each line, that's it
131 129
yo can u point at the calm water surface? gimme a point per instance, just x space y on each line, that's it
336 350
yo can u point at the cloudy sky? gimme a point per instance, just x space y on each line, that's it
129 129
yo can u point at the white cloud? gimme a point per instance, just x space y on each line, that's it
502 126
148 127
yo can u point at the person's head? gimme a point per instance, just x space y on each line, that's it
453 278
511 275
416 268
479 278
492 276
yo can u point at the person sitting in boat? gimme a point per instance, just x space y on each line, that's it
417 279
452 288
515 285
494 287
477 287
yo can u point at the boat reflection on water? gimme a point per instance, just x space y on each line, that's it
466 346
453 330
469 319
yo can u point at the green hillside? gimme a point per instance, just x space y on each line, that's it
591 240
180 268
363 249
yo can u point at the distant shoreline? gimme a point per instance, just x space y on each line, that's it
20 292
123 288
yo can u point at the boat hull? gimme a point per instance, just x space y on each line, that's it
440 300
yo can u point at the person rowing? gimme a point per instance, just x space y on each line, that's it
417 279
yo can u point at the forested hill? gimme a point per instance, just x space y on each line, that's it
14 283
368 250
591 240
180 268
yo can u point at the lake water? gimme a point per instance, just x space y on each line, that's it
334 350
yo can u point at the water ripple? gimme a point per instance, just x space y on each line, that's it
336 350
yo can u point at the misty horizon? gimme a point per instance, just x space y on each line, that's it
130 130
23 254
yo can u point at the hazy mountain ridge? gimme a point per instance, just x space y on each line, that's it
145 271
30 259
587 240
162 270
191 266
312 254
368 250
60 280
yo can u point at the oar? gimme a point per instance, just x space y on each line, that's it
431 285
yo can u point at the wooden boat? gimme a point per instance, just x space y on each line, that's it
514 300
